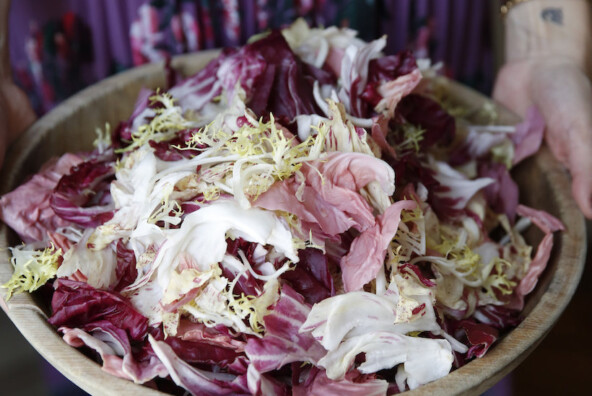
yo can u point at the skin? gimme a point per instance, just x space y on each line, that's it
16 113
546 48
561 90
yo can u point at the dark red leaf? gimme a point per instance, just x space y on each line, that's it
77 304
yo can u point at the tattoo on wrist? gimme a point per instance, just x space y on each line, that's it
553 15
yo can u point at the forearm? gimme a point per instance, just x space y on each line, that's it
550 28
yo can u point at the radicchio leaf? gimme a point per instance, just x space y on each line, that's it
27 209
414 269
367 251
548 224
311 277
83 196
76 304
247 284
219 335
196 381
116 352
176 149
387 68
264 384
281 87
427 114
503 194
202 351
354 383
196 91
126 271
283 343
480 337
498 317
529 135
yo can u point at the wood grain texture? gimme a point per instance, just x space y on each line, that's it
70 127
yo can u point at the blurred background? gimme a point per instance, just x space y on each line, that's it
57 48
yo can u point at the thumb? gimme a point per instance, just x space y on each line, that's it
19 114
582 191
580 164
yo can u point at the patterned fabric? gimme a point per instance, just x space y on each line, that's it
58 47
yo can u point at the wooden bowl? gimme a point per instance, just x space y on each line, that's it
70 127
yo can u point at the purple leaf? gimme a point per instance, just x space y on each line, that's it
503 194
76 304
311 277
176 149
283 343
126 270
529 135
196 381
138 365
27 209
427 114
317 383
282 86
83 197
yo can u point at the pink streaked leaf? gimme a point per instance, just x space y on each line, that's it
283 343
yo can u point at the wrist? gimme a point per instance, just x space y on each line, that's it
549 28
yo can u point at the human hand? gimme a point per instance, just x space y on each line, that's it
548 47
563 94
16 113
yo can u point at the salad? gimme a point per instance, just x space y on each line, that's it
305 215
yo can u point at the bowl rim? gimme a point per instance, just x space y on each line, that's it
469 379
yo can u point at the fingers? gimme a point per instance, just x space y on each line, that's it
19 114
578 138
580 161
564 95
582 192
